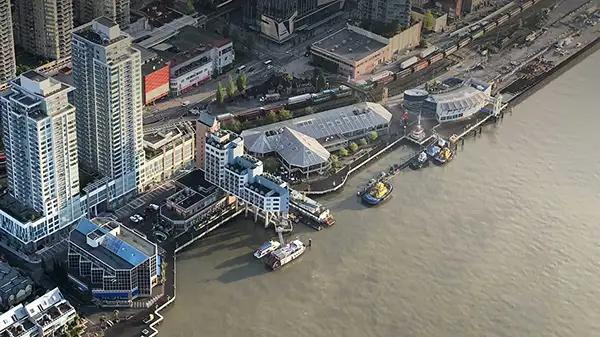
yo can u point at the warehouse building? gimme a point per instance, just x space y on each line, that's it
304 144
354 52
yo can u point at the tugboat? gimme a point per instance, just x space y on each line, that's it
266 248
378 193
433 150
421 161
444 156
285 254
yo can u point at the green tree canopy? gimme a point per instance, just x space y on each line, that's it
220 94
241 81
309 110
271 117
230 87
353 146
428 20
334 158
285 115
233 125
423 43
191 7
363 142
373 135
343 152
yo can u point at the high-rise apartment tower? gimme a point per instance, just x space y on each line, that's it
107 74
43 27
116 10
8 67
386 11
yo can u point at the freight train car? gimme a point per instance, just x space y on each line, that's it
490 26
503 19
514 12
435 58
462 43
403 73
527 5
450 50
477 34
420 66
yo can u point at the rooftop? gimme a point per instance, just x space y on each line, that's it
350 45
12 282
17 209
120 247
308 131
95 32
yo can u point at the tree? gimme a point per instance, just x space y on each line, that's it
191 7
241 81
334 159
343 152
428 20
220 94
225 30
271 117
363 142
321 83
422 43
373 135
230 88
308 110
285 115
233 125
270 164
353 147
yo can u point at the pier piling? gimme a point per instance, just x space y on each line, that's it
309 242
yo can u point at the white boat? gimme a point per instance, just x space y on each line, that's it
266 248
285 254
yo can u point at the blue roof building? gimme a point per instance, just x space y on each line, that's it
113 260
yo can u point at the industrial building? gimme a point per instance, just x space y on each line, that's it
8 66
287 21
168 152
114 261
45 316
354 52
303 144
44 27
386 11
14 287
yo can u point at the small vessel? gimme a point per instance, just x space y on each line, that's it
420 161
418 132
285 254
444 156
433 150
378 193
266 248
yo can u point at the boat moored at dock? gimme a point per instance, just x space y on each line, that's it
420 161
266 249
378 192
445 155
310 212
285 254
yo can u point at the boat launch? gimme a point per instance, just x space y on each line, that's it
285 254
377 193
266 248
420 161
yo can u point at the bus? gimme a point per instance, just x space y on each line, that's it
240 68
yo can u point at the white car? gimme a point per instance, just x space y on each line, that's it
139 217
154 207
134 219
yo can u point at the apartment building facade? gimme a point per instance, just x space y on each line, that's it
44 27
107 74
116 10
8 66
386 11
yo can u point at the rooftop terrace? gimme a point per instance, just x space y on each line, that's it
16 209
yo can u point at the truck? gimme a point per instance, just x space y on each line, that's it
409 62
299 99
428 51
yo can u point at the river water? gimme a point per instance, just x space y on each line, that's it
503 241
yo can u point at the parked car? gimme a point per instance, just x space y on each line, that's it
154 207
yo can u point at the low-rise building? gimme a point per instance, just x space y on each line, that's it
355 52
155 73
440 20
303 144
459 102
45 316
111 260
168 152
14 287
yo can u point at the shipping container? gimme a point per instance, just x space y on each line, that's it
527 5
436 58
427 52
404 73
515 12
490 27
477 35
451 50
299 99
377 77
421 66
464 42
409 62
502 19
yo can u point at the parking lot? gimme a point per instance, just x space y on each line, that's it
156 196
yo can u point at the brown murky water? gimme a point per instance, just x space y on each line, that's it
501 242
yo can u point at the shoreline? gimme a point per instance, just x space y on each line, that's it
539 82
